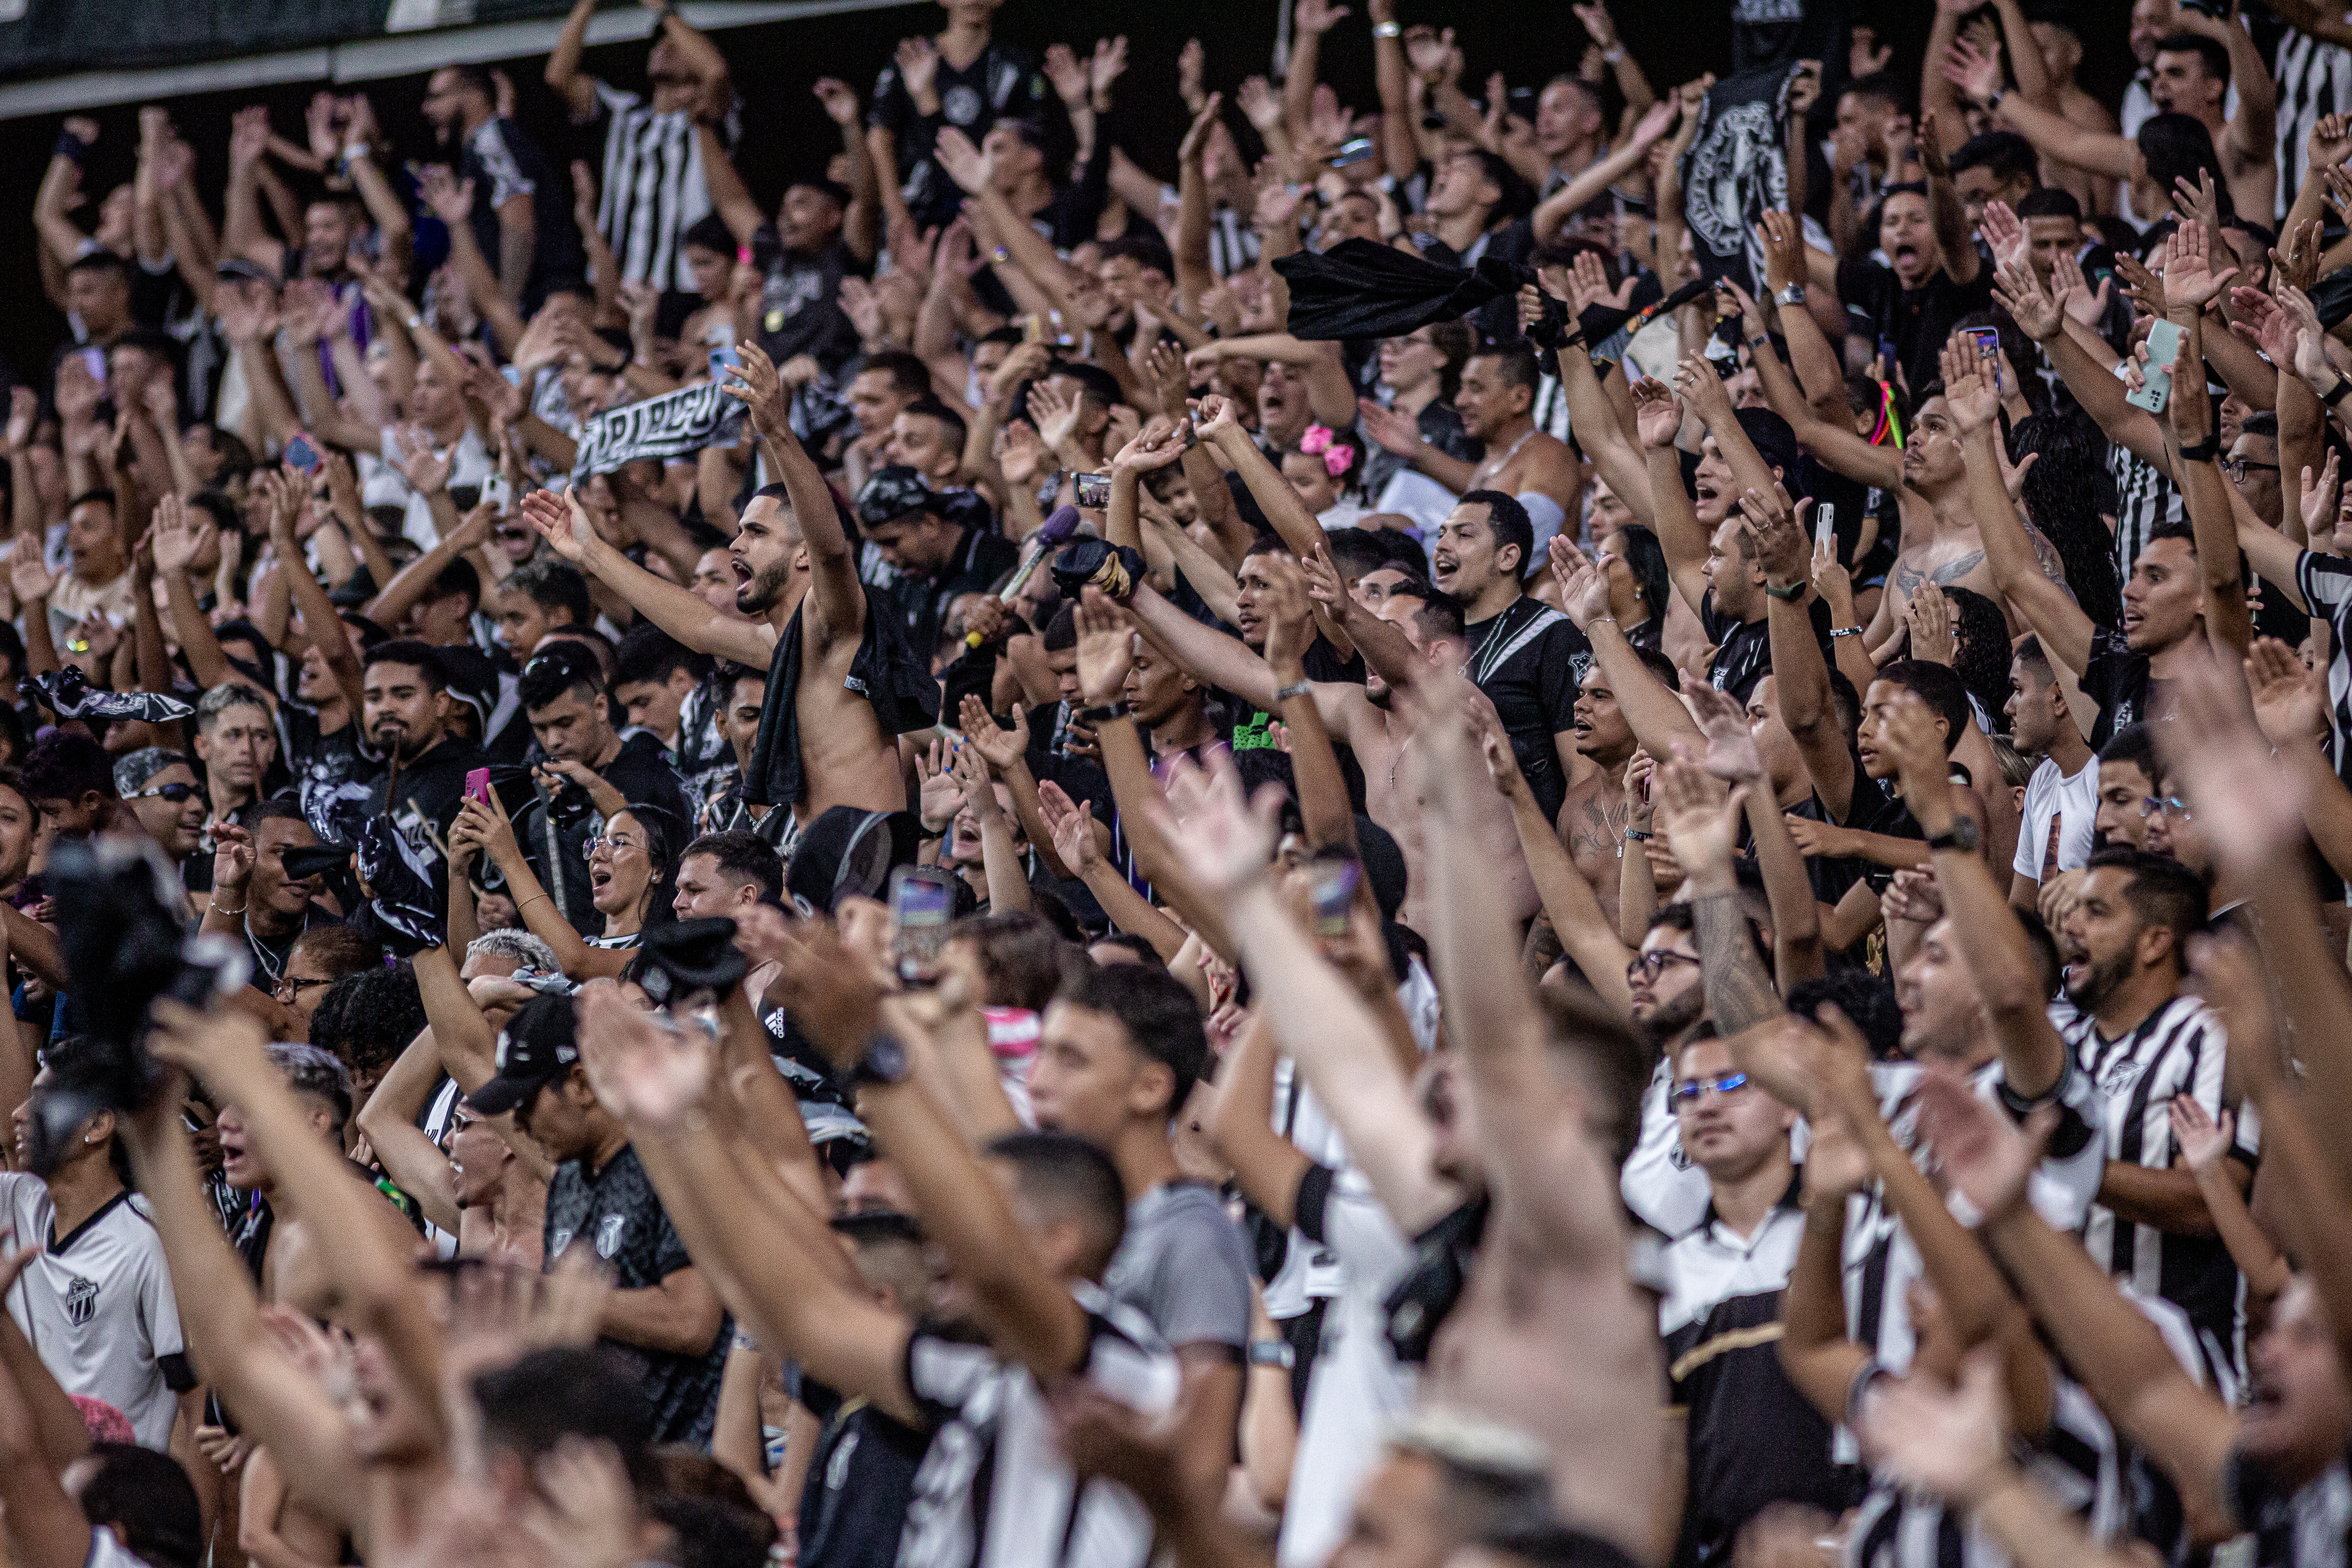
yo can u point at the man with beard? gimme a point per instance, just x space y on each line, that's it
1668 1008
2142 1040
407 713
563 696
522 206
842 684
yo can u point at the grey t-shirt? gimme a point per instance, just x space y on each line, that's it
1185 1266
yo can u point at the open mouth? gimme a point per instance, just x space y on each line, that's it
600 878
1905 253
1706 493
742 570
1446 565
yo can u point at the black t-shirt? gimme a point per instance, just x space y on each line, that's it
2116 678
1743 649
1528 661
332 774
1912 322
800 310
503 162
981 556
615 1212
861 1480
1002 82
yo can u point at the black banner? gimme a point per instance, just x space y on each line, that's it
54 36
1735 169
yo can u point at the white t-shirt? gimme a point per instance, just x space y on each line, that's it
98 1306
382 484
2060 806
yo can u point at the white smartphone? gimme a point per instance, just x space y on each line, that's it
1825 525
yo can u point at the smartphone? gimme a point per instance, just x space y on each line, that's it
302 452
499 493
722 361
1356 152
922 901
1334 896
1825 525
478 785
2163 346
1987 343
1094 489
94 361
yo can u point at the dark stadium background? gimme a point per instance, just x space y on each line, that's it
787 133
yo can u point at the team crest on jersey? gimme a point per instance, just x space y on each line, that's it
81 1301
608 1234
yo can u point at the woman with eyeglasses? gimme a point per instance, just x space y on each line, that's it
624 866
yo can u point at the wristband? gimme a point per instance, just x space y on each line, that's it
1613 54
1103 715
1640 835
1282 694
1274 1353
1790 594
2336 394
1386 30
1846 632
71 148
926 833
2204 452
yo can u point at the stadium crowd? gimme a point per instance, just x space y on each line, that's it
1556 821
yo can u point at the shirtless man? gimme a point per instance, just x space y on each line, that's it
794 572
1499 392
1593 821
1413 636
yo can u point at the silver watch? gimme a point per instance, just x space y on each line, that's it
1794 294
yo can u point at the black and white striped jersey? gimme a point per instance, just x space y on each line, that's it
2145 496
2303 1527
2314 80
2326 583
1880 1257
2077 1462
2178 1049
994 1489
653 189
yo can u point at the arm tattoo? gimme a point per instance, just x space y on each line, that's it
1738 989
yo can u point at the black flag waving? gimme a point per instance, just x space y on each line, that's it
1735 169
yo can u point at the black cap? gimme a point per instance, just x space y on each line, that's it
538 1046
892 493
686 956
848 852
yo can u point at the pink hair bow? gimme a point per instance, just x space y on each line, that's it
1338 456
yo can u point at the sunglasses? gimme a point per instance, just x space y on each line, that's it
1687 1096
175 792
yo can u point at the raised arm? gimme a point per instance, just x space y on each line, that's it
1658 419
1983 924
563 73
1971 402
564 524
389 1121
1317 1016
1800 676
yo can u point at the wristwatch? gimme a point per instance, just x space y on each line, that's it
2335 395
1272 1353
1386 30
1962 835
1103 715
1794 294
1790 594
884 1062
1282 694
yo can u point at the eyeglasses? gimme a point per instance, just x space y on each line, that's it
2238 468
1687 1096
1653 962
295 985
2164 805
458 1122
611 845
175 792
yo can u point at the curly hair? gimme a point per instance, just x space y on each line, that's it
1980 646
368 1017
2062 500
